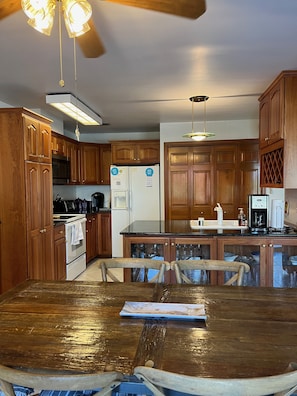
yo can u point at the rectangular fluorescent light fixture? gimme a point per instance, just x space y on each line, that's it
74 108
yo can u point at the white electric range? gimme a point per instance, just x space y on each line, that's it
75 233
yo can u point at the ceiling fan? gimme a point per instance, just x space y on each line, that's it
90 42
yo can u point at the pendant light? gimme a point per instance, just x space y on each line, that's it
198 136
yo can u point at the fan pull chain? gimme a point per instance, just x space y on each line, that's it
61 82
77 132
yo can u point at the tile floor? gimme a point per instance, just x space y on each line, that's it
93 272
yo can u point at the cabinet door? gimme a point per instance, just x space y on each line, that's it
282 268
148 153
225 185
39 221
58 144
249 250
37 140
91 237
276 112
123 153
264 121
73 153
31 131
177 202
105 162
60 252
104 234
249 173
45 143
90 164
201 186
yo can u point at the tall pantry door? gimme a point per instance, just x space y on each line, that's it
144 193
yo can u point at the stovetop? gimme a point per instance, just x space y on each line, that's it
68 218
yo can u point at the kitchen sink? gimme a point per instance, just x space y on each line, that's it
213 224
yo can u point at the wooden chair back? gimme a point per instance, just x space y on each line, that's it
141 267
238 269
104 381
155 380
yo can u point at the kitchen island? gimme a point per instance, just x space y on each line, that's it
271 256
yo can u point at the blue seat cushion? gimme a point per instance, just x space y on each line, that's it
69 393
19 390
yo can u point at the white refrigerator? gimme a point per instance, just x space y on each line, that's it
135 195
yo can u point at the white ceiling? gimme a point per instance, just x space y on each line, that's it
154 62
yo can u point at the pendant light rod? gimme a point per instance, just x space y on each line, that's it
198 135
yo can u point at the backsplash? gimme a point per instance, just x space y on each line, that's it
82 192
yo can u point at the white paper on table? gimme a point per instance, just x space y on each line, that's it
163 310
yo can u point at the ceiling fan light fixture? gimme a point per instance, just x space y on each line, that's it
73 107
32 7
78 12
76 29
41 15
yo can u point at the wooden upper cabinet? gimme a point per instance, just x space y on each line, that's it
105 162
73 154
271 114
278 138
144 152
58 144
90 163
38 140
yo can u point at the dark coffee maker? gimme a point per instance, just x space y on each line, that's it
97 201
258 213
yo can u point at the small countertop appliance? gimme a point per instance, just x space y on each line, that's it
258 213
97 201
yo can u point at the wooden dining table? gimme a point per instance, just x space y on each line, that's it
76 326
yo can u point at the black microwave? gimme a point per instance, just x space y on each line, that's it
61 169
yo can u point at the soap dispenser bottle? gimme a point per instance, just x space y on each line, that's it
241 217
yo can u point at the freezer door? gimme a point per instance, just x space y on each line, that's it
119 177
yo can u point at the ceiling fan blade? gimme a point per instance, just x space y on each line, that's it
185 8
8 7
90 42
236 96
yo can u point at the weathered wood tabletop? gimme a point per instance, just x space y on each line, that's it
76 326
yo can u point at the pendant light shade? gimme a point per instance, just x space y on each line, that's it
198 136
41 15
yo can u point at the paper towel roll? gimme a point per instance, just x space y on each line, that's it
277 213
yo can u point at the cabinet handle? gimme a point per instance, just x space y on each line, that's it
172 244
267 138
270 245
263 245
166 243
60 232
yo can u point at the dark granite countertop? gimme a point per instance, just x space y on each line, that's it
182 228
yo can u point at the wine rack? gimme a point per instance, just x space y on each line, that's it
272 168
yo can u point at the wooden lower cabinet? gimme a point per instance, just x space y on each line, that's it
104 234
267 256
39 221
91 237
60 252
98 235
169 249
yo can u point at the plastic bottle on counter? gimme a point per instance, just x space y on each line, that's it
241 217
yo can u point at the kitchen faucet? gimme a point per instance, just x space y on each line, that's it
219 211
